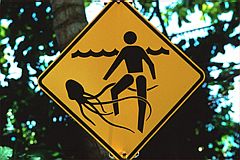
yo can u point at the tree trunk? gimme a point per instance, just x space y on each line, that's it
69 19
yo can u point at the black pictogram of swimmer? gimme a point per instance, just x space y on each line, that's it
133 56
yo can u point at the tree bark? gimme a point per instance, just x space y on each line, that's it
69 19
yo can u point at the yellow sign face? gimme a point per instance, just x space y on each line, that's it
121 79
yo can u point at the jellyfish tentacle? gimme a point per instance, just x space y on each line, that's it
115 125
96 98
117 100
84 115
93 109
101 105
104 89
101 92
89 96
148 89
129 97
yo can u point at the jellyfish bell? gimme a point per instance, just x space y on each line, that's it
75 90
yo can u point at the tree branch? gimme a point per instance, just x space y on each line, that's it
158 13
151 16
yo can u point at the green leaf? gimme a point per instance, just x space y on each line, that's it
87 3
55 154
204 7
5 153
3 60
35 158
2 32
202 18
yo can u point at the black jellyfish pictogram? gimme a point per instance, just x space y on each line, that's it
91 102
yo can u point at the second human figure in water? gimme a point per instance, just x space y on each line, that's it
133 56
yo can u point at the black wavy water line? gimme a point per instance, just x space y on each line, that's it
94 54
157 52
114 52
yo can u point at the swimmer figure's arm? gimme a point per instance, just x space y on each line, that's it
115 64
150 65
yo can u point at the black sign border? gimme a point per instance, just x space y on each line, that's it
146 139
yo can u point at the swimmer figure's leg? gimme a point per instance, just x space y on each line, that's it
141 92
120 86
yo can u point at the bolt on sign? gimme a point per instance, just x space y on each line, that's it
121 79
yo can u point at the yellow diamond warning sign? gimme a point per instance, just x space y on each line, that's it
121 79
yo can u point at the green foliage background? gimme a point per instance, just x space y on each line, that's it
34 127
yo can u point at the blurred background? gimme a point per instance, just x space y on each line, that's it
32 35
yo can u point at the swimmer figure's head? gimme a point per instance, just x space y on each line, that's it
130 37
